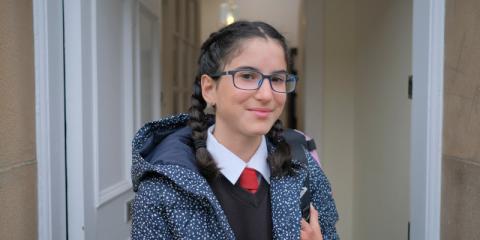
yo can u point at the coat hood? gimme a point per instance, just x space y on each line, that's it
165 147
159 143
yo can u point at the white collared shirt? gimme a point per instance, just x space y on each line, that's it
230 165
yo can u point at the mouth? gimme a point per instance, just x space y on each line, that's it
261 112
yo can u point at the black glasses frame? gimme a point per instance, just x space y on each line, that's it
290 78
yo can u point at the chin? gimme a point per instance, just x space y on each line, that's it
259 129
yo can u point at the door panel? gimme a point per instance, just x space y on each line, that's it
107 106
119 91
148 61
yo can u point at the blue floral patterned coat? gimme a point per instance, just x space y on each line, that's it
173 201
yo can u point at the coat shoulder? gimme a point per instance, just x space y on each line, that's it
322 199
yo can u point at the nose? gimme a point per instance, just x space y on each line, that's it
265 91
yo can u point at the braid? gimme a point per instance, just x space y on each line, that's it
281 159
215 53
198 123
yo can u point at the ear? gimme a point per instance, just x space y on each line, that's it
209 89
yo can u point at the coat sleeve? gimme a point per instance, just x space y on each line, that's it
322 199
149 218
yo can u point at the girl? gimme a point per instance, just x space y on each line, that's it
230 175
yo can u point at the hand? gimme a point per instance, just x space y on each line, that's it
311 231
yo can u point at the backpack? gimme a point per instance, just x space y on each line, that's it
298 144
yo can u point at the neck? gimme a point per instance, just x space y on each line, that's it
241 145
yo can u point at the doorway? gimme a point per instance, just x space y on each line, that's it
363 57
83 44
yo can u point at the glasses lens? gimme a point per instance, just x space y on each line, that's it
247 79
283 82
291 83
250 80
279 82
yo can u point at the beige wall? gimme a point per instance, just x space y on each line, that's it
209 17
382 119
329 90
366 113
18 189
461 140
282 14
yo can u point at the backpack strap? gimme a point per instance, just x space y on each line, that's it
310 145
297 144
297 140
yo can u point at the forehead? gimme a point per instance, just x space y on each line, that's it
260 53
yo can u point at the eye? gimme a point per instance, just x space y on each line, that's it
279 78
247 75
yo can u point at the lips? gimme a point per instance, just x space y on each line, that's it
261 112
260 109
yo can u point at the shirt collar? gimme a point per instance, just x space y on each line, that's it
230 165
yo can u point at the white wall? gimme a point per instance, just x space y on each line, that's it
282 14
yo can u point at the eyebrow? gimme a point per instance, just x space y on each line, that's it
256 69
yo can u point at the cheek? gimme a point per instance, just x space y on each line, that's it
280 99
230 97
237 97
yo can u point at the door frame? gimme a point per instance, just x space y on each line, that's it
426 130
427 118
50 119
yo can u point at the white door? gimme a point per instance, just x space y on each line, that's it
112 86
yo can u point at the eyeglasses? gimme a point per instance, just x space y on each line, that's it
252 80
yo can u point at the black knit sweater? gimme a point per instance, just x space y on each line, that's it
248 214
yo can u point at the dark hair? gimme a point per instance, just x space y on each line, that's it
215 53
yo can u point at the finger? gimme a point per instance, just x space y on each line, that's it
314 217
304 226
304 235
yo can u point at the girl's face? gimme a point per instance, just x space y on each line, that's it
247 112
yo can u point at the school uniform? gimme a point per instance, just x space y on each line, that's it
174 201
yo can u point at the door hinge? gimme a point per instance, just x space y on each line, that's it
410 86
408 231
129 211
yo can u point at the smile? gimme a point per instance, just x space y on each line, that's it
261 112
